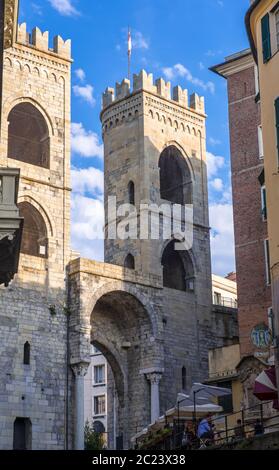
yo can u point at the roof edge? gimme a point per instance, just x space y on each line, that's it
248 28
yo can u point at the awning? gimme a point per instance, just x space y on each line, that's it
266 386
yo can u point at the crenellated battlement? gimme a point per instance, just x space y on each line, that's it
144 81
40 41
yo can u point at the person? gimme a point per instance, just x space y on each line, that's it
258 428
239 431
205 430
188 437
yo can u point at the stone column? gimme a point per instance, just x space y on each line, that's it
80 370
154 378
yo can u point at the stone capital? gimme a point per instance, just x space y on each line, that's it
154 377
80 369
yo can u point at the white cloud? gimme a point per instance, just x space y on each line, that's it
213 141
80 74
37 8
201 66
85 143
179 70
211 53
64 7
85 92
222 238
87 226
88 181
217 184
139 41
214 164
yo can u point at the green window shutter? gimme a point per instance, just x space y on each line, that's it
277 123
266 38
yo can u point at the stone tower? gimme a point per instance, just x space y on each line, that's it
35 137
154 147
154 140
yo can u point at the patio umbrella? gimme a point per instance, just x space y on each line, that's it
208 391
266 386
201 410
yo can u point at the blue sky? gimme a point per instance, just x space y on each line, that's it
176 39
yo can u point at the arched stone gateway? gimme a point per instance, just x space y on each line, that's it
121 318
119 322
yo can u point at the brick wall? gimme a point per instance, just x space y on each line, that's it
254 296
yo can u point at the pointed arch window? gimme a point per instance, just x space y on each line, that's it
175 177
34 237
28 135
178 269
129 261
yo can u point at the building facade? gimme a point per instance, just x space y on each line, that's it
150 313
224 291
249 203
262 22
95 393
35 137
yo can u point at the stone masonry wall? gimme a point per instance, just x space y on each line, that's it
35 74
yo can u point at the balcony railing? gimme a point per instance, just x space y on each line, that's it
225 302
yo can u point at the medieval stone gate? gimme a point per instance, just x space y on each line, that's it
120 313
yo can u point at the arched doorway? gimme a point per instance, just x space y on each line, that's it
122 330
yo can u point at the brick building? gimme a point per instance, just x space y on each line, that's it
249 202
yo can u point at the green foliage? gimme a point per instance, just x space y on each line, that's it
92 440
153 439
52 310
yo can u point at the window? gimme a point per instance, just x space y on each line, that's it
217 298
34 237
99 427
226 401
100 405
131 193
266 44
263 199
257 85
277 27
175 177
28 136
99 374
184 378
277 124
22 434
26 354
271 324
178 270
267 262
260 142
94 350
129 262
